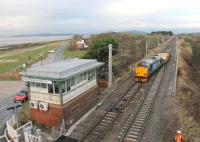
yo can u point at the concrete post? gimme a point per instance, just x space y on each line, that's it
15 114
176 68
110 66
121 52
146 48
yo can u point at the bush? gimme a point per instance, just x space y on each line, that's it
196 55
99 47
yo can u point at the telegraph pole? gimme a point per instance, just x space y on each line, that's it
110 66
146 48
158 41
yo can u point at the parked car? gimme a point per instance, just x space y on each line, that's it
22 96
51 51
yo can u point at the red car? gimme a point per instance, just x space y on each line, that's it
22 96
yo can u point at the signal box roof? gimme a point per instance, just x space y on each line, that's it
61 69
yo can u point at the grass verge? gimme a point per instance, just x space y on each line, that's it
74 53
10 62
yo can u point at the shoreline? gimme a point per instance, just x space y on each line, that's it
15 40
7 48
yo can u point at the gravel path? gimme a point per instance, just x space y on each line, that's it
162 125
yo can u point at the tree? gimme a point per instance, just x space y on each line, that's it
99 47
162 33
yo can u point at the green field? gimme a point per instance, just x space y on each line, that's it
10 62
74 53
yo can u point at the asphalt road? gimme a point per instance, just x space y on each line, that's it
54 57
8 89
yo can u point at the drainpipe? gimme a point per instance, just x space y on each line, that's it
61 96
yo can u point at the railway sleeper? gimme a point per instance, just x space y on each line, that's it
141 115
106 121
138 127
134 129
132 136
130 139
134 132
144 112
103 124
112 115
145 106
138 124
144 109
141 119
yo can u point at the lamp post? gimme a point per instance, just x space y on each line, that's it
14 108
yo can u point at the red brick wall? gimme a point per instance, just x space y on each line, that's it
51 118
80 105
84 105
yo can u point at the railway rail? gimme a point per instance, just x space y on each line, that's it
135 125
116 94
113 111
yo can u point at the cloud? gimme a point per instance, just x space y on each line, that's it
137 8
14 24
189 26
88 16
190 18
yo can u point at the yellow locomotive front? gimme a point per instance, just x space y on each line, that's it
141 74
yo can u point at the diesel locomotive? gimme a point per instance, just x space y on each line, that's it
147 67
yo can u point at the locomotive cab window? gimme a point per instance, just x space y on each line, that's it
143 64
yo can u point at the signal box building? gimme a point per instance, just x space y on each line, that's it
62 90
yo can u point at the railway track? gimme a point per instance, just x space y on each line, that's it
135 125
116 94
113 111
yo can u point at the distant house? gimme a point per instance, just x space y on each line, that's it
80 44
62 90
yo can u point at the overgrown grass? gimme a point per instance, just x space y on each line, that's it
194 43
24 115
188 94
10 62
74 53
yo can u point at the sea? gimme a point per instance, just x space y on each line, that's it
13 40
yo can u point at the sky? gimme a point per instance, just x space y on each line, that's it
97 16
